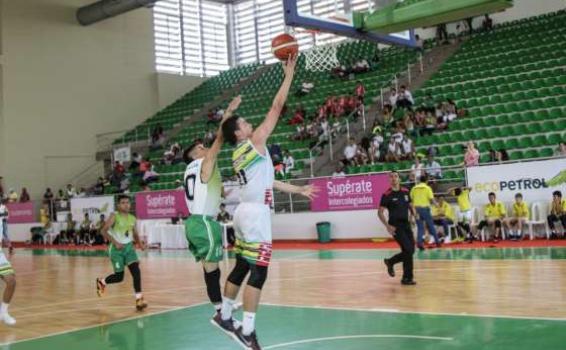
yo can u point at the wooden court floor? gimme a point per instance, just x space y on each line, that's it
342 299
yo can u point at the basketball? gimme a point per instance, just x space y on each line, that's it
283 46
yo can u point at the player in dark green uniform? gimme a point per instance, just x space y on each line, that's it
120 231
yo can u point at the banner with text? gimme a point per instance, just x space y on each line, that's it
349 193
161 205
534 180
93 206
21 213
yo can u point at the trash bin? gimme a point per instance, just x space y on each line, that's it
323 231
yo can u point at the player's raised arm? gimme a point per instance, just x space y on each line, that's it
306 191
264 130
209 161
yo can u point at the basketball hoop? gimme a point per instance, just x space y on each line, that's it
320 58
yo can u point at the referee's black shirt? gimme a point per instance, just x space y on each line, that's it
397 204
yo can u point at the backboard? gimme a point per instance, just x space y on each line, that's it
310 14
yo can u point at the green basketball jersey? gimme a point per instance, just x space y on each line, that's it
123 228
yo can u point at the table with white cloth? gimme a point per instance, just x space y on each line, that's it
167 236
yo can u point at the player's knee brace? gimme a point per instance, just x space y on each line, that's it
213 289
258 276
239 272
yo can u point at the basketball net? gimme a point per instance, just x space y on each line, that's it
319 58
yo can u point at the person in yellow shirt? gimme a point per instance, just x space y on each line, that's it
465 213
557 213
520 217
443 215
495 214
421 198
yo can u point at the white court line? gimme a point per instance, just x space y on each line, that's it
104 324
462 314
96 308
344 337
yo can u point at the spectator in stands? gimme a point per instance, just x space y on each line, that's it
275 152
136 160
298 117
492 156
393 151
460 32
339 172
469 25
393 96
495 214
4 215
375 148
360 66
433 168
48 196
72 192
417 171
98 188
97 231
145 165
68 234
450 110
85 232
561 150
119 169
441 34
428 104
24 196
430 124
407 148
288 162
150 176
12 196
157 137
82 193
179 185
1 188
443 215
340 71
557 213
209 137
502 155
124 186
519 218
360 91
211 117
145 187
305 89
351 152
487 23
420 44
472 155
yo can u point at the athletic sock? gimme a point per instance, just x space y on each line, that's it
248 323
226 310
139 296
4 308
218 307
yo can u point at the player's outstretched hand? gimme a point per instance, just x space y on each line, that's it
289 66
234 104
309 191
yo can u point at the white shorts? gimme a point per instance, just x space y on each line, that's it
252 224
5 266
465 216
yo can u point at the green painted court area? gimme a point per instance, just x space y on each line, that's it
299 328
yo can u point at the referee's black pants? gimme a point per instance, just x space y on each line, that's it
406 240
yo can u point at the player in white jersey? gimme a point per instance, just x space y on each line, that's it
203 191
252 219
8 275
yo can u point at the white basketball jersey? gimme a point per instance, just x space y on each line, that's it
202 198
255 172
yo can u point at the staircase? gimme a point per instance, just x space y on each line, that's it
432 60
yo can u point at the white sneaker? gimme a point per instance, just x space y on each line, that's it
9 320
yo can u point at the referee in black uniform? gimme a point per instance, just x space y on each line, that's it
398 204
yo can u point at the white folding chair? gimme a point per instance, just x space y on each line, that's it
538 217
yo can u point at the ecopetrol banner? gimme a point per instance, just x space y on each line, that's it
93 206
534 180
349 193
161 205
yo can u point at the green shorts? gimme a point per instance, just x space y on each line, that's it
122 257
205 238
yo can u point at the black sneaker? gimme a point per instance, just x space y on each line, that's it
390 269
225 326
408 282
249 341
